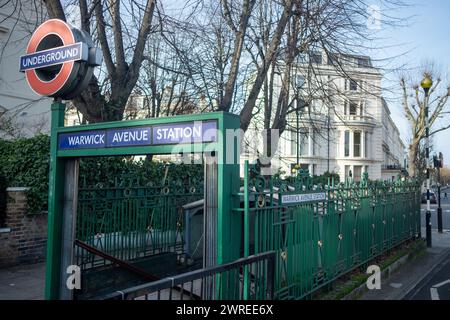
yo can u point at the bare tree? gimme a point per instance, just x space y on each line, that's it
414 111
112 24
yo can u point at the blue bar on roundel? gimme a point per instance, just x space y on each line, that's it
54 56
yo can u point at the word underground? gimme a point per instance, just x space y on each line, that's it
51 57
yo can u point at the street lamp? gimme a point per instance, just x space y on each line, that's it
426 84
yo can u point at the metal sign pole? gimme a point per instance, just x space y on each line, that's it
55 201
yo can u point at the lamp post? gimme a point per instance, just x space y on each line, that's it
298 130
426 84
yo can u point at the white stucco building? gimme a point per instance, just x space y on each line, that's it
21 110
345 128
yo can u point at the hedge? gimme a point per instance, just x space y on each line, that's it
3 186
25 163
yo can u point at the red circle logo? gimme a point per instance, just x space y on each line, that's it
56 28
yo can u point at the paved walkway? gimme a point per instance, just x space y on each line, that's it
24 282
403 282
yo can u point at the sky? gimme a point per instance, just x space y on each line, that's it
425 38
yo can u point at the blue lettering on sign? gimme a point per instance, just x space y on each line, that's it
191 132
82 140
50 57
128 137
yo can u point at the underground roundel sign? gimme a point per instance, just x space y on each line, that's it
59 60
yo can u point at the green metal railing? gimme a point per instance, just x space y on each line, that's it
132 218
317 241
214 283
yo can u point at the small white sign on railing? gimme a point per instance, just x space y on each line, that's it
303 197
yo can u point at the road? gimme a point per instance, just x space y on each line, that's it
445 204
436 285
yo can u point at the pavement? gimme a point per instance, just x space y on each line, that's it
435 285
24 282
426 277
414 280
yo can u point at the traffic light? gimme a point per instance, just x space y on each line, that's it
438 162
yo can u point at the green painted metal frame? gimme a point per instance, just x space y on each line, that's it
228 179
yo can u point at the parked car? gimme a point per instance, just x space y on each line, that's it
432 197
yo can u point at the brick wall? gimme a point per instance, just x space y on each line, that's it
23 238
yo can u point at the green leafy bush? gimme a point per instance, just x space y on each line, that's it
106 169
323 179
3 186
25 163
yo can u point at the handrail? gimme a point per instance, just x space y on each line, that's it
180 279
146 275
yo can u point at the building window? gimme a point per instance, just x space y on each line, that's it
363 63
303 136
333 60
357 144
3 34
315 58
347 172
302 58
293 143
357 173
353 85
353 110
347 144
304 142
366 145
299 81
304 166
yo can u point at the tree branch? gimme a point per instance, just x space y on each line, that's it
101 33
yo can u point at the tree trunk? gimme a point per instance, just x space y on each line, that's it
413 157
247 111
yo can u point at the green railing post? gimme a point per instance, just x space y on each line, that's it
55 201
246 227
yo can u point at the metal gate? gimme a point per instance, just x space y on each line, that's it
132 218
319 240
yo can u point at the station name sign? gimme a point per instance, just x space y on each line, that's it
303 197
186 132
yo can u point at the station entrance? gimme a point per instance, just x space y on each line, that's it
122 228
